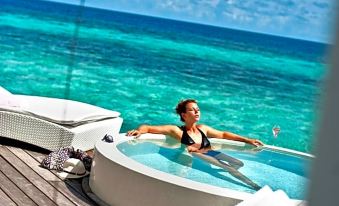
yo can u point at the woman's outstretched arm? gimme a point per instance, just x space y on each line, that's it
213 133
170 130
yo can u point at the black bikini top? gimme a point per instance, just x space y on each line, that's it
187 140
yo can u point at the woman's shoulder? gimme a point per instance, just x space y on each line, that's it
173 127
175 131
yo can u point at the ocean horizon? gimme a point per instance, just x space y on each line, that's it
141 66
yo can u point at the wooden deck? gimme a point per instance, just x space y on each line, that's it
24 182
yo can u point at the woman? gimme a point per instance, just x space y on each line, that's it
195 137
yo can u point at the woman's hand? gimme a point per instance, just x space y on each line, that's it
255 142
136 133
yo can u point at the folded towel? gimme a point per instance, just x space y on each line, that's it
257 197
266 197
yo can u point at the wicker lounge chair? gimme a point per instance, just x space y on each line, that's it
52 123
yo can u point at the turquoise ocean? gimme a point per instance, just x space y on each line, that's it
142 66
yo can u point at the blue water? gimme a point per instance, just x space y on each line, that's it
142 66
265 167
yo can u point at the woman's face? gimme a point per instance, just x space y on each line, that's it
192 112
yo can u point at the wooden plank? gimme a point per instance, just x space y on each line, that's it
76 197
9 189
33 164
5 200
40 187
73 194
22 183
36 155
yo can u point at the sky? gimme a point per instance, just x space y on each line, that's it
301 19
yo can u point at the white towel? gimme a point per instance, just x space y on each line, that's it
266 197
257 198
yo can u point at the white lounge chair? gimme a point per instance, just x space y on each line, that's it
52 123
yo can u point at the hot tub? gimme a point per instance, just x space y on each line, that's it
154 170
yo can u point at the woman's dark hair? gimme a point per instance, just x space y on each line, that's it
181 107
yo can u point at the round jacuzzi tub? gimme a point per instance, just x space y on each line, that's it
155 170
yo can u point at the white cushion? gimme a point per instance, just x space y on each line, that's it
61 111
7 99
